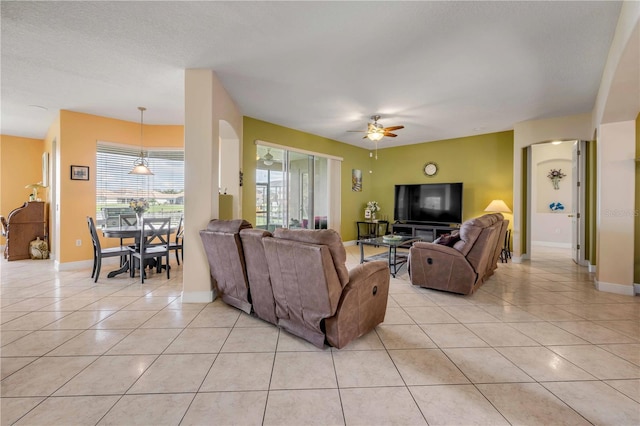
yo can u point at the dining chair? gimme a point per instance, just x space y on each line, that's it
177 244
99 252
155 235
128 219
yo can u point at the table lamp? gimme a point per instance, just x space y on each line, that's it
498 206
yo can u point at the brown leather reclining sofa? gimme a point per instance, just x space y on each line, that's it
463 267
297 280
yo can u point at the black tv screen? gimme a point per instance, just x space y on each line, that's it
429 202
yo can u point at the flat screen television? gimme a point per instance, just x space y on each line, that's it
428 203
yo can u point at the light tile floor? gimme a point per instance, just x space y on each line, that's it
535 345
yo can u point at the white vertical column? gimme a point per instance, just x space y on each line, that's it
201 151
616 207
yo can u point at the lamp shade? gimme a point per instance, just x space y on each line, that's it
140 168
498 206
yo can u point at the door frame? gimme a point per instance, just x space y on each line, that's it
578 195
527 176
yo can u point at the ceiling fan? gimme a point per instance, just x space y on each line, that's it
375 131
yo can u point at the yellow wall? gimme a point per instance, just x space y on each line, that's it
483 163
20 165
77 146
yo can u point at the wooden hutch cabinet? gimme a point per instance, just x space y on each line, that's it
22 226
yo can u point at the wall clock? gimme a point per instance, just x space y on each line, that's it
430 169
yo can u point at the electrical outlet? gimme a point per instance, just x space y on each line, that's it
78 243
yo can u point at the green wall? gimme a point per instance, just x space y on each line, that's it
483 163
353 158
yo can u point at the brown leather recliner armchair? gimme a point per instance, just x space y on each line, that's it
316 297
222 244
465 266
500 244
264 306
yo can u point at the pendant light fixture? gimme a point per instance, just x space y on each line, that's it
268 158
141 165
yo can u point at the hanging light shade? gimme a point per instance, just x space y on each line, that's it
268 158
141 165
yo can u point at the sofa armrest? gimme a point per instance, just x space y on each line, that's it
362 305
441 267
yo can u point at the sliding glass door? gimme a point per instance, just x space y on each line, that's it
291 189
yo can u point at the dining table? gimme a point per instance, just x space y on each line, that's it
123 232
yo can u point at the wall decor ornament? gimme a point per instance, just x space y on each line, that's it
556 175
356 180
556 206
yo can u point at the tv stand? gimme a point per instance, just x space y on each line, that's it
424 230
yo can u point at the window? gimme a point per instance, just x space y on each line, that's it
115 187
296 188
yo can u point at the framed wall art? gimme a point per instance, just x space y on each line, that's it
356 180
79 172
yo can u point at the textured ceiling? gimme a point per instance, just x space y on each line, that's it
441 69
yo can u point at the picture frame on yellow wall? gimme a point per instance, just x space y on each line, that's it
79 172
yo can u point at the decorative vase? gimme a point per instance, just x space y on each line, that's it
139 218
555 181
373 215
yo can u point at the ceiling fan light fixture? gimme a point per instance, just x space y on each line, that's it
376 135
141 165
268 158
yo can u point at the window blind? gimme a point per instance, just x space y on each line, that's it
115 187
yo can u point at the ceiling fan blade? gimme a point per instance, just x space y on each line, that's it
392 128
365 136
356 131
391 135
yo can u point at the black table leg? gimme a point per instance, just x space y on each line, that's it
124 268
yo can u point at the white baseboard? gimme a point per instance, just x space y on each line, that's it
636 288
197 296
519 259
627 290
81 264
550 244
349 243
592 268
